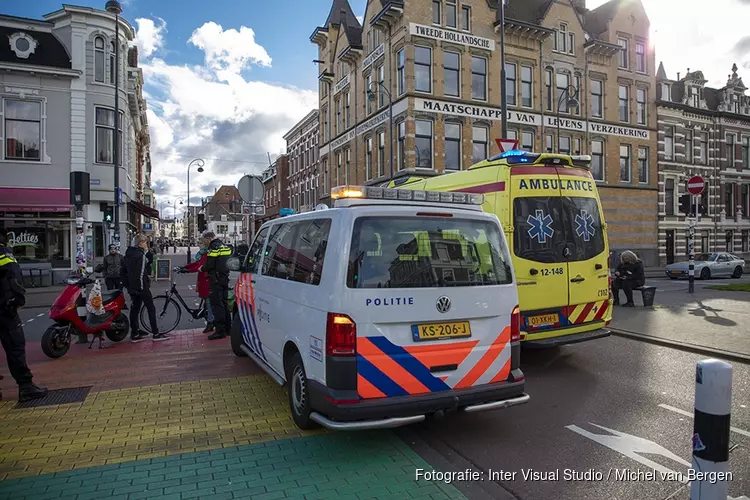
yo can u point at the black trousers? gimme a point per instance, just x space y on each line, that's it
113 283
14 344
218 297
626 286
138 300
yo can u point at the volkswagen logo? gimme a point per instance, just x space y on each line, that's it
443 304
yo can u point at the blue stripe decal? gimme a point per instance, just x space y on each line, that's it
257 336
409 363
378 378
246 333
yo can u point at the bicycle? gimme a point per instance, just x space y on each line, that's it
167 307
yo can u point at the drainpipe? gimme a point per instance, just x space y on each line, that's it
543 106
585 102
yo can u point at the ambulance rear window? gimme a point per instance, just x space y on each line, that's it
426 252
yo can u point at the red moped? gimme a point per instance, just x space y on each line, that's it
70 316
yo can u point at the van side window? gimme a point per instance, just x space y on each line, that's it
310 250
255 252
279 259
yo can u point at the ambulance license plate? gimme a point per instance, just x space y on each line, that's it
435 331
542 320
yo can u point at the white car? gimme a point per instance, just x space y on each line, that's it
708 265
392 305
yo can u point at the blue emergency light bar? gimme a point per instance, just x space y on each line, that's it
286 211
515 156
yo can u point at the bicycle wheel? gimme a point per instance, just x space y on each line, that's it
168 314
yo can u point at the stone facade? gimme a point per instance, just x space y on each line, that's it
276 187
302 150
443 78
706 132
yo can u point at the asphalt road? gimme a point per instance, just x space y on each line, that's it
612 382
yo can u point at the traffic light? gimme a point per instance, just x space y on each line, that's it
108 216
202 223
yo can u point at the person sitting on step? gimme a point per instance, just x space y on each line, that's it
630 274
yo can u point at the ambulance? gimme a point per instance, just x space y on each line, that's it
549 207
391 306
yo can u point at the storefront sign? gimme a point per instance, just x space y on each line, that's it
147 226
382 117
374 56
95 182
22 239
451 36
340 141
373 122
341 85
472 111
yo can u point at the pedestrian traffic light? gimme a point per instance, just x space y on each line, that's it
108 214
202 223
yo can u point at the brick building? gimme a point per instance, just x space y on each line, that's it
302 150
440 63
223 212
275 183
704 131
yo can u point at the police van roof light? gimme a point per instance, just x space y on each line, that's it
383 193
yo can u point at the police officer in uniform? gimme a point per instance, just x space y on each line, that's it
12 297
217 268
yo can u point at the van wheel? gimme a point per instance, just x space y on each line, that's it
299 394
235 337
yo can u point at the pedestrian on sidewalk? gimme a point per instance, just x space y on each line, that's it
12 337
629 274
111 269
202 285
217 268
136 276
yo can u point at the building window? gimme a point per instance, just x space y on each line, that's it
23 130
564 146
731 140
369 89
99 59
729 199
729 241
577 85
527 90
668 143
624 53
437 18
479 142
338 169
688 146
347 116
669 197
527 141
597 160
704 148
381 154
368 158
577 146
325 125
466 18
548 143
625 163
624 108
452 146
510 84
112 63
562 82
105 128
423 143
422 69
643 165
401 74
381 87
746 152
597 98
452 67
512 134
745 201
337 129
548 89
640 57
640 106
348 165
561 38
450 13
479 78
745 243
402 145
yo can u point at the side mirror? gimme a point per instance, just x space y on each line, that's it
233 264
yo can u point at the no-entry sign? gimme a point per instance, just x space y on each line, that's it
695 185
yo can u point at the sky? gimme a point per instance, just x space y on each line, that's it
226 79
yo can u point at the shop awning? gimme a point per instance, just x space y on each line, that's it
34 200
142 209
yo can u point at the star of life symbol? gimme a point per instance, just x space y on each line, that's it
585 225
541 226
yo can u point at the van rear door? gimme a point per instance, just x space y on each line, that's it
431 293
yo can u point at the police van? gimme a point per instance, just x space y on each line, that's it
390 306
549 207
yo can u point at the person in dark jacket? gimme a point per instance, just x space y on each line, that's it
111 269
217 269
136 276
629 274
13 297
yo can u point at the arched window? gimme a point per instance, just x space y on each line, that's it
99 59
112 63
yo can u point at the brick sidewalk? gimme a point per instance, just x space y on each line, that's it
186 419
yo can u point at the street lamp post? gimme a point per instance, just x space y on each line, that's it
503 83
372 96
200 163
571 100
114 7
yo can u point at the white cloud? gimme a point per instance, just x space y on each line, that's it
212 111
149 36
229 50
361 19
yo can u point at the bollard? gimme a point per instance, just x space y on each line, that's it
713 404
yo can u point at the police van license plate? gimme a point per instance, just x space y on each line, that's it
435 331
542 320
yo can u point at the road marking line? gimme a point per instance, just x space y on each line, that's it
688 414
29 321
40 315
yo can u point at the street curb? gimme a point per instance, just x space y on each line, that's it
684 346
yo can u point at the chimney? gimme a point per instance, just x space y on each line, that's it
678 76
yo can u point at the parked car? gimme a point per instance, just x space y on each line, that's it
709 265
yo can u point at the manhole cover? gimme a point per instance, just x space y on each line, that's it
58 397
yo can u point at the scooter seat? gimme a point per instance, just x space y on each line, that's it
110 296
